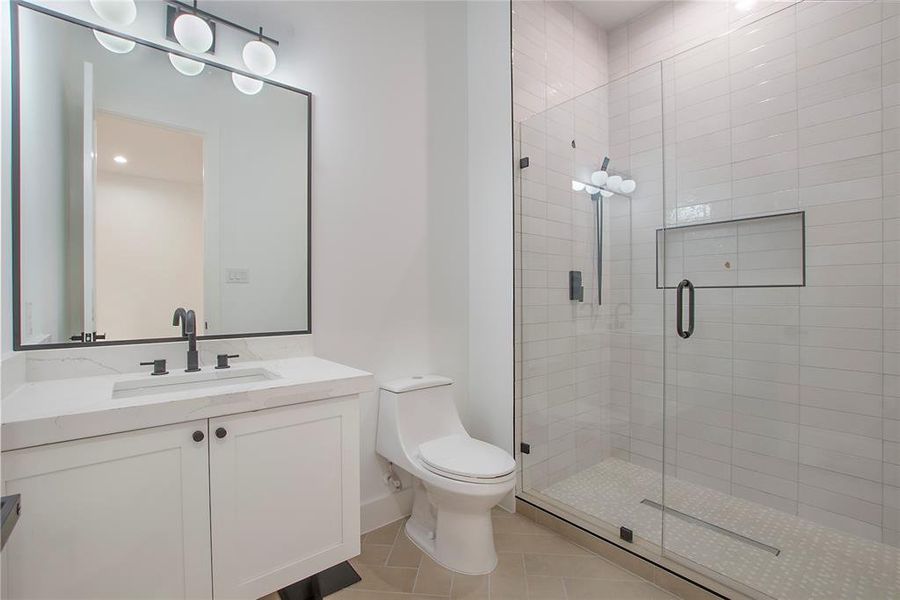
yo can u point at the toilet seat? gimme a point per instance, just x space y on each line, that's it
463 458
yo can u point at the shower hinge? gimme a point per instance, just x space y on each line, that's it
626 534
525 448
523 162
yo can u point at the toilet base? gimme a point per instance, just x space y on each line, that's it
455 530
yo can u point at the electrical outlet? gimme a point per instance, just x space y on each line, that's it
237 275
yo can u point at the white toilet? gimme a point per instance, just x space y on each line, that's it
458 479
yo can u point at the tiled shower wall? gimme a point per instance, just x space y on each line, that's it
561 347
558 54
786 396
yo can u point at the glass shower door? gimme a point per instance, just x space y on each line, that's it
773 262
588 314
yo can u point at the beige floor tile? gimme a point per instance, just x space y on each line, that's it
545 588
533 563
507 587
432 578
536 544
373 554
353 594
592 567
384 535
518 524
385 579
470 587
404 553
592 589
510 565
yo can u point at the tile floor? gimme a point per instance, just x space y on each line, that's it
815 562
534 564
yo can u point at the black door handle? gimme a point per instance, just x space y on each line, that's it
679 309
198 436
220 432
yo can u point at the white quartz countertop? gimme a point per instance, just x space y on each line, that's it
58 410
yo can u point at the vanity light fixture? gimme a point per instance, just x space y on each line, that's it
119 159
186 66
246 85
117 12
259 56
114 43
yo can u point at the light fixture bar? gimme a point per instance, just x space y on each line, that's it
190 8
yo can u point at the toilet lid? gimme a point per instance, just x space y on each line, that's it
467 457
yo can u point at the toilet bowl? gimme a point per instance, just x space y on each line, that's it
458 479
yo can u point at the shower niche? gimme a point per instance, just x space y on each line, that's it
763 251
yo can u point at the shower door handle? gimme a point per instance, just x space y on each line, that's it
679 309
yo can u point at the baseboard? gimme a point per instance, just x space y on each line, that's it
386 509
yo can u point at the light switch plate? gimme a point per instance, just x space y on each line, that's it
237 275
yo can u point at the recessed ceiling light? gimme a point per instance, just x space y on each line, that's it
744 5
120 159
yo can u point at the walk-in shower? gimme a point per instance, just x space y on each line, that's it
733 398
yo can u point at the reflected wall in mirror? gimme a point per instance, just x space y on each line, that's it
141 190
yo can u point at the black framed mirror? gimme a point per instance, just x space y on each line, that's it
139 188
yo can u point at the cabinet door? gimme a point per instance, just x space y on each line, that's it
116 516
284 490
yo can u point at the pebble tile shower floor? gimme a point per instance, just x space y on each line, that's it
815 561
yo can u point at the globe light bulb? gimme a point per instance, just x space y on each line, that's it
114 43
186 66
193 33
246 85
259 57
599 178
118 12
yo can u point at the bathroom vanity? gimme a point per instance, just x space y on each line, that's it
218 484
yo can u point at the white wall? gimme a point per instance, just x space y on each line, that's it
489 411
389 189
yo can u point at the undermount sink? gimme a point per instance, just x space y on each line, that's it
165 384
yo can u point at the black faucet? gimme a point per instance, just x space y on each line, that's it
188 321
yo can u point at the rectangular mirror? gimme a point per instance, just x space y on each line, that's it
138 189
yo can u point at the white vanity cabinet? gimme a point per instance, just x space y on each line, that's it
116 516
272 499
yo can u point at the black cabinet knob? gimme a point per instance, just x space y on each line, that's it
220 432
198 436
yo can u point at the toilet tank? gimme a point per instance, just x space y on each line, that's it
414 410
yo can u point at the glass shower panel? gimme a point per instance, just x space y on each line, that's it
778 471
589 361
